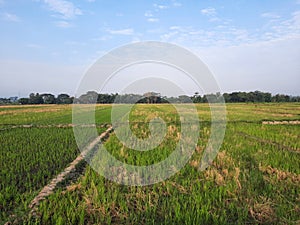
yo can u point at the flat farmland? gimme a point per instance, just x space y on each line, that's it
255 178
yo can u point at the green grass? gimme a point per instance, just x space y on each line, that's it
31 156
255 179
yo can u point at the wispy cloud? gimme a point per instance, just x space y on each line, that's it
270 15
102 38
64 9
157 6
10 17
128 31
63 24
258 65
36 46
209 11
177 4
148 14
287 28
214 19
153 20
227 34
150 17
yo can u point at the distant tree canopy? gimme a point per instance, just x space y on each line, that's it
64 99
45 98
149 98
256 96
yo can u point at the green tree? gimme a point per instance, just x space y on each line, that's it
64 99
35 99
48 98
24 101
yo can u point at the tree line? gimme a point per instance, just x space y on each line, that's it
149 98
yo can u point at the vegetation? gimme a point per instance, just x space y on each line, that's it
255 178
149 97
30 157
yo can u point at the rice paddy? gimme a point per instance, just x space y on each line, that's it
255 178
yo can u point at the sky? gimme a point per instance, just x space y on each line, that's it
48 45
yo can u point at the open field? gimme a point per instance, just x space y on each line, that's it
255 178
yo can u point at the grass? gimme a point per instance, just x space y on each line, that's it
30 157
255 178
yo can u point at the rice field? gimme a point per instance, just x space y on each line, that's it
255 178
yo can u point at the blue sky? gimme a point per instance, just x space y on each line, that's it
47 45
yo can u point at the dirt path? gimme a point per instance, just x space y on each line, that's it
48 190
291 122
50 126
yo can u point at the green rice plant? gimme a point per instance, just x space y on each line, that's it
254 179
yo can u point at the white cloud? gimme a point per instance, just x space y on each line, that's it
174 27
266 58
160 6
64 9
36 46
128 31
270 15
214 19
209 11
264 65
153 20
119 14
103 38
226 34
63 24
287 28
90 0
167 36
177 4
148 14
10 17
150 17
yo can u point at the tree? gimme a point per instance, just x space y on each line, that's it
48 98
295 99
106 98
212 98
5 101
35 99
184 99
281 98
24 101
226 97
196 98
89 98
152 97
64 99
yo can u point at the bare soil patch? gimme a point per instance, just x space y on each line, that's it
280 174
